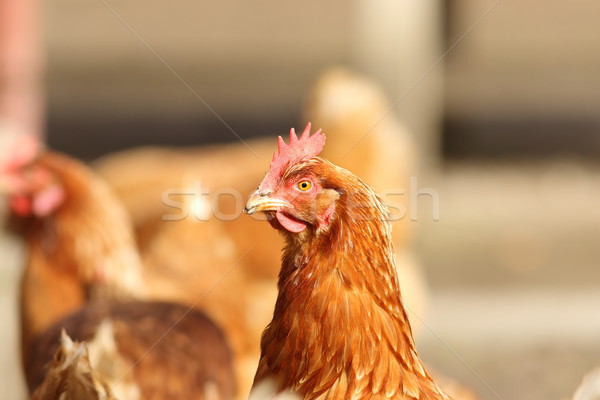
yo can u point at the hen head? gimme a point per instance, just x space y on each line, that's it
300 190
31 189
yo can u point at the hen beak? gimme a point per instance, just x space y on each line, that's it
261 202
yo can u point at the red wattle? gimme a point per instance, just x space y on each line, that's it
21 205
289 223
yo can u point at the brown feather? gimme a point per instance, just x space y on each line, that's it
70 375
349 299
174 352
83 250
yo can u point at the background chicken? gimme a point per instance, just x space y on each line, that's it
82 256
226 268
339 328
79 239
590 387
203 258
135 350
70 374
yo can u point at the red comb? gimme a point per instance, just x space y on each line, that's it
307 146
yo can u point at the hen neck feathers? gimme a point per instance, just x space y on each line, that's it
339 328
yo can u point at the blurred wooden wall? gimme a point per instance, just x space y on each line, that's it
121 74
525 81
400 44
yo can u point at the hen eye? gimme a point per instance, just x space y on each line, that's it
304 185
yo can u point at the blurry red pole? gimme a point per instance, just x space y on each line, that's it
20 65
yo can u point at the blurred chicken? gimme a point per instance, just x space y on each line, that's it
135 350
186 258
590 387
80 241
217 265
70 375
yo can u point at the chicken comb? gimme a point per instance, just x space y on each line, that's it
307 146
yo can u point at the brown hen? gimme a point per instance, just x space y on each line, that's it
80 241
136 350
339 329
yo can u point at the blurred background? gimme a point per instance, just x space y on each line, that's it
501 99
